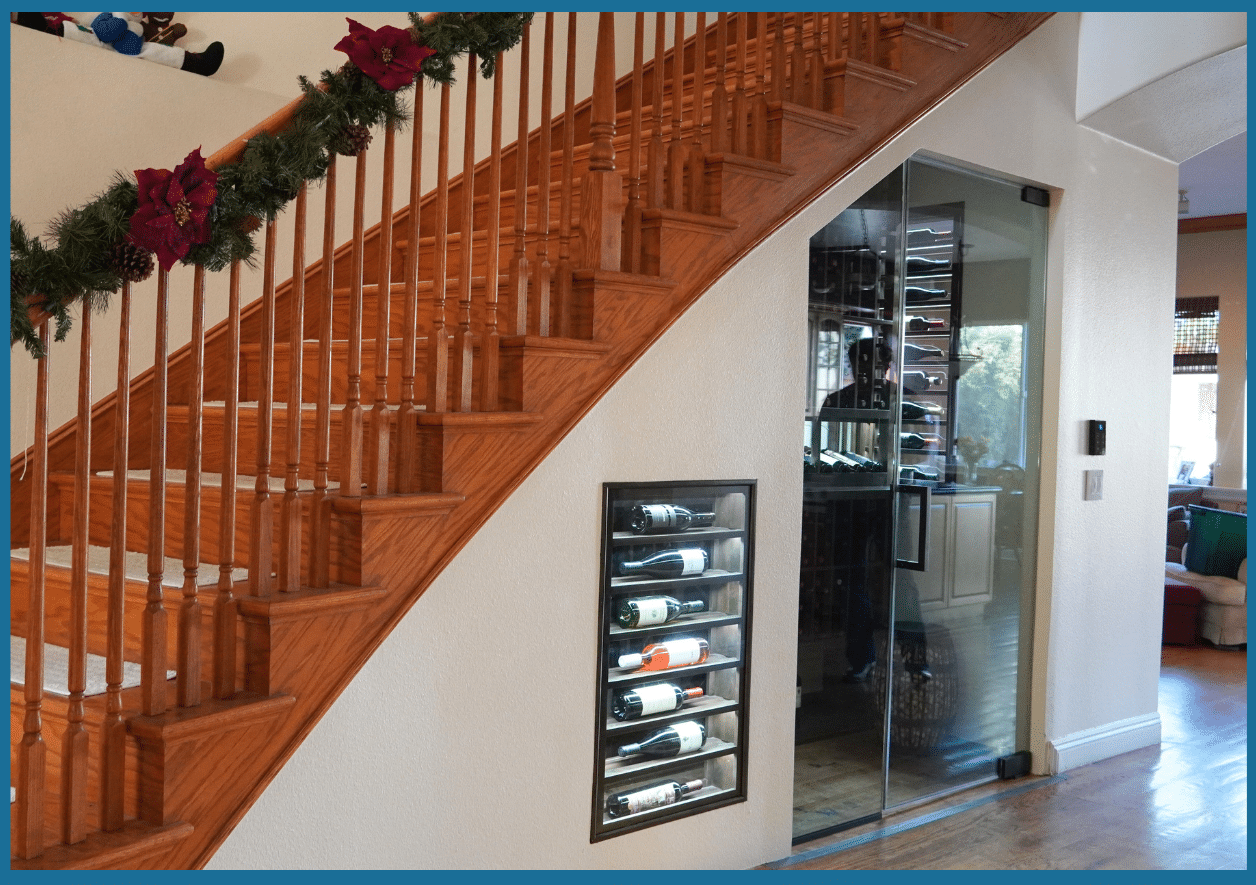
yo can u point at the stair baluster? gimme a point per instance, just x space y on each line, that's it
656 195
520 272
601 191
320 515
719 94
188 642
697 154
759 102
632 213
490 362
376 446
539 324
291 516
438 338
463 353
113 728
741 123
351 448
675 148
74 745
562 273
261 535
224 600
407 412
28 810
154 649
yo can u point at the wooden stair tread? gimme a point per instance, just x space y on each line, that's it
56 669
60 556
120 849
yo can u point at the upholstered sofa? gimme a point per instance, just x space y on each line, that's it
1223 608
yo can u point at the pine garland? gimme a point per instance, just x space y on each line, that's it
266 178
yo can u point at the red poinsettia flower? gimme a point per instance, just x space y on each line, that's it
389 56
173 213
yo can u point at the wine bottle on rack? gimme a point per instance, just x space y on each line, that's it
925 236
917 411
925 324
918 265
647 700
919 441
668 654
646 611
914 353
620 804
683 737
646 519
841 463
867 465
677 563
921 294
915 382
917 473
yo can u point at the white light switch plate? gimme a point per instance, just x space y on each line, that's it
1094 485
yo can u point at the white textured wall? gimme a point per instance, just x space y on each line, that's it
468 771
1124 51
1215 264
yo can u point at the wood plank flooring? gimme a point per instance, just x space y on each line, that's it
1179 806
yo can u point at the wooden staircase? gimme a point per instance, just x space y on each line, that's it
426 396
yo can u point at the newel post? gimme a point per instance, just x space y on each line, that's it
601 192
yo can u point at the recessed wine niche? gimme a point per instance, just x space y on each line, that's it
673 651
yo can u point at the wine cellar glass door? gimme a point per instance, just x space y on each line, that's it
673 651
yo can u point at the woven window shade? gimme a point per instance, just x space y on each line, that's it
1195 335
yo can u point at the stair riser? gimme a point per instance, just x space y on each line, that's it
57 595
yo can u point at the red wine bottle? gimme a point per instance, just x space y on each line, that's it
646 700
680 563
925 324
917 473
918 441
666 655
915 411
918 265
647 611
914 353
921 294
683 737
647 519
918 381
621 804
866 465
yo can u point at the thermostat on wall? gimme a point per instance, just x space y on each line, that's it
1097 437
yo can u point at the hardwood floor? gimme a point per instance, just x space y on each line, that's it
1179 806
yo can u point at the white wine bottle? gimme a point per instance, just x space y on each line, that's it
915 411
668 654
648 519
680 563
925 324
635 801
647 700
683 737
647 611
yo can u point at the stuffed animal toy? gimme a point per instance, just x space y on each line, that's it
124 33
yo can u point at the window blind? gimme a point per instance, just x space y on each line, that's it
1195 335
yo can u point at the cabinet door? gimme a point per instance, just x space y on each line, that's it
973 579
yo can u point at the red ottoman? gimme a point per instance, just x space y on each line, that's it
1181 611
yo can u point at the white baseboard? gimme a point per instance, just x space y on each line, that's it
1103 742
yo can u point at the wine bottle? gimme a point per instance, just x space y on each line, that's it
647 519
924 236
925 324
918 441
841 463
646 700
914 353
918 265
866 465
666 655
918 381
917 472
620 804
683 737
681 563
646 611
916 411
920 294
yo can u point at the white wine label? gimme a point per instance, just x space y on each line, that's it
694 561
651 611
656 699
662 516
651 798
690 736
681 652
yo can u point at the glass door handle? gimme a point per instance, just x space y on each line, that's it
921 562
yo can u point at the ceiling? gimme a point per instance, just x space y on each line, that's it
1216 179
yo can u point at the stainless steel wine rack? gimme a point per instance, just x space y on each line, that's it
725 587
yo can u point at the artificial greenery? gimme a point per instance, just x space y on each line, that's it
267 177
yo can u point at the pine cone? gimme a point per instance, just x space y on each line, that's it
353 140
250 223
131 262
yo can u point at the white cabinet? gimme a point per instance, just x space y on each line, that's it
961 548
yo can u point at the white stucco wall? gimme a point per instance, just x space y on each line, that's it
470 772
